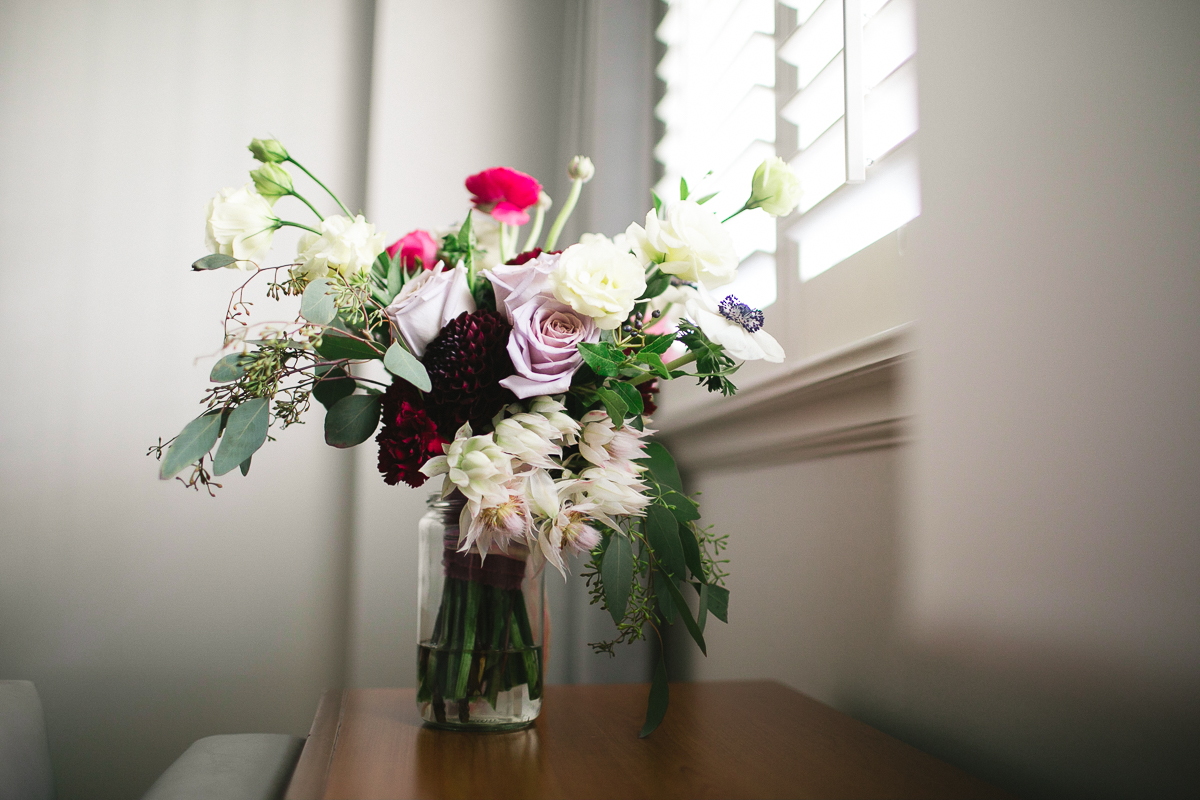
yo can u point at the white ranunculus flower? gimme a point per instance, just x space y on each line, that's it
346 246
775 188
597 279
427 303
688 242
240 223
735 326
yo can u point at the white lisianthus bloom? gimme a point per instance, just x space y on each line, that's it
688 242
554 412
775 188
597 279
735 326
346 246
476 466
240 223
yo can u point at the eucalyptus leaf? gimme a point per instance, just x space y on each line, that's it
334 347
691 552
662 531
717 601
245 467
196 439
616 570
245 432
229 368
404 364
352 420
213 261
318 303
631 397
334 384
614 405
662 466
686 613
395 277
666 604
660 697
684 508
702 616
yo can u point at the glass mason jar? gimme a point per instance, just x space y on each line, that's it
482 623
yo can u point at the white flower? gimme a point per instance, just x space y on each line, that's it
563 519
476 466
581 169
528 438
688 242
735 326
605 445
500 525
597 279
613 491
775 188
427 303
553 411
240 223
346 246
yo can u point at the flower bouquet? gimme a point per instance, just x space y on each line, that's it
523 377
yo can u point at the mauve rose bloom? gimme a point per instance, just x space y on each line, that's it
411 246
544 348
504 193
427 303
515 284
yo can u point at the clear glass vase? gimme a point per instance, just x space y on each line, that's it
482 624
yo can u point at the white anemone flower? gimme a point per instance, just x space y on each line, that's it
734 325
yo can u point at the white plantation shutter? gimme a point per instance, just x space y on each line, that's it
837 79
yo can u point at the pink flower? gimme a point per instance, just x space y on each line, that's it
411 246
504 193
516 283
544 347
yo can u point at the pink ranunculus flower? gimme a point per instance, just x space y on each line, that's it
427 303
515 284
411 246
504 193
544 348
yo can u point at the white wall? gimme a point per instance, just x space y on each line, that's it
149 615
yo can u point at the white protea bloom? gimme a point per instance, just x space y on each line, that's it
554 412
476 466
735 326
613 491
240 223
563 519
605 445
345 246
499 524
529 439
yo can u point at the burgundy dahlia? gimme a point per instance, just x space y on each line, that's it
466 363
647 391
408 438
528 255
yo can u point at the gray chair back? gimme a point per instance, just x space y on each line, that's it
24 754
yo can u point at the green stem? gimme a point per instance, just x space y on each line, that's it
734 214
323 186
302 199
682 361
503 243
285 223
565 214
536 231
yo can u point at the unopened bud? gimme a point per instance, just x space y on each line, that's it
544 202
268 150
272 181
581 169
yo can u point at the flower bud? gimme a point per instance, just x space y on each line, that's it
774 188
268 150
544 202
272 181
581 169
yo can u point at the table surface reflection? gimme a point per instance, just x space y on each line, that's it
720 739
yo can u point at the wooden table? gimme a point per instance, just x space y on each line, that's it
720 740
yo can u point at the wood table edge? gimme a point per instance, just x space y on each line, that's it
312 770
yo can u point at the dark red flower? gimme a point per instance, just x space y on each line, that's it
504 193
648 390
528 255
466 363
408 438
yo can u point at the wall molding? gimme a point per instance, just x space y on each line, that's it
841 402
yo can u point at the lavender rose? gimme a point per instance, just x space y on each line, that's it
516 284
543 345
427 303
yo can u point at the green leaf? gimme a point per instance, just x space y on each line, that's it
245 432
718 601
630 395
318 303
334 347
706 198
683 190
334 384
404 364
352 420
464 234
662 531
616 570
657 202
196 439
660 696
245 467
395 277
691 552
614 405
655 362
702 617
662 466
227 369
214 261
659 344
685 509
656 286
686 613
666 605
597 357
